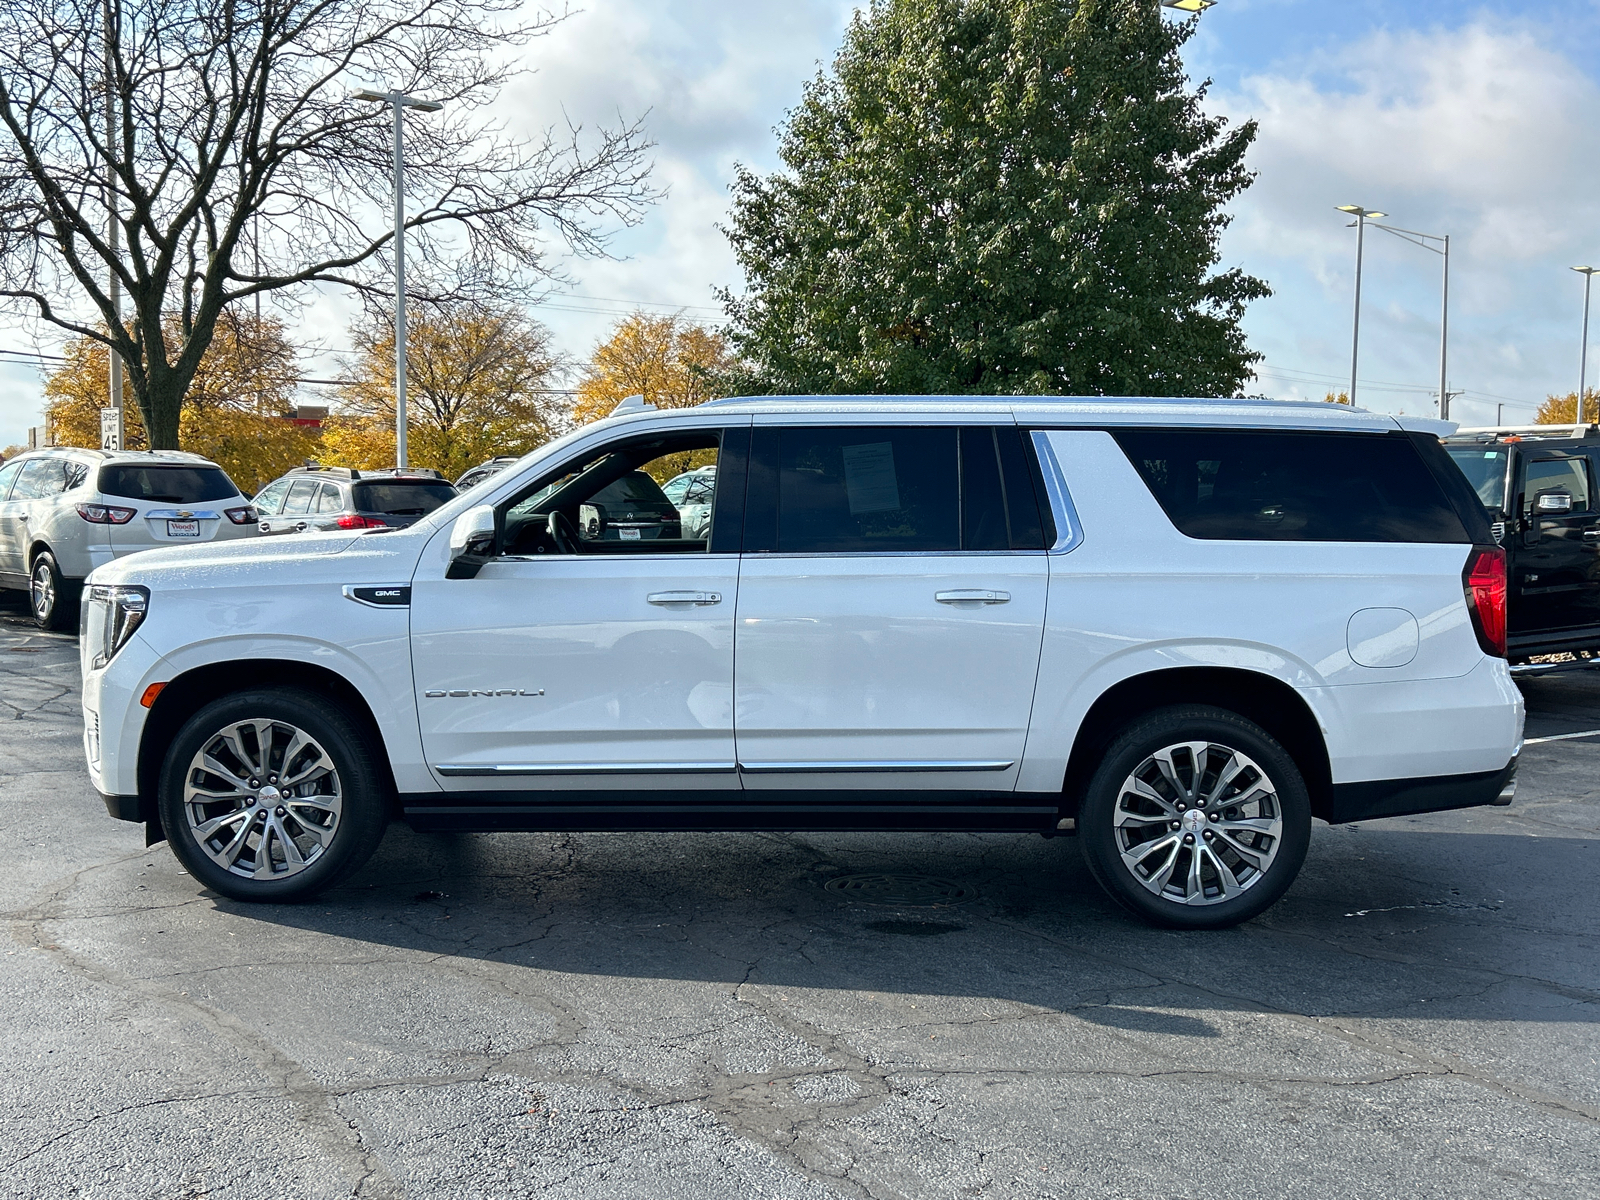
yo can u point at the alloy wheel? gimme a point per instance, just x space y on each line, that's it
263 799
1198 823
42 589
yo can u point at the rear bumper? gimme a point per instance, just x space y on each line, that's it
1405 797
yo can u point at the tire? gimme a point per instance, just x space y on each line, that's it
327 824
48 600
1146 786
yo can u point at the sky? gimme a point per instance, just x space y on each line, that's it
1475 122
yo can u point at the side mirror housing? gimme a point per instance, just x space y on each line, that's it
1553 503
471 542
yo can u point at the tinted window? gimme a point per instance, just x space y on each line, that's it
402 499
268 499
1568 475
867 489
330 501
8 475
998 507
300 498
176 485
1320 487
1485 469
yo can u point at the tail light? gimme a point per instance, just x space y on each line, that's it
242 516
1484 580
105 514
357 521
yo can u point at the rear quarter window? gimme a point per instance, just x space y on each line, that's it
1249 485
175 485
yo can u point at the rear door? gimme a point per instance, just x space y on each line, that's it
1556 577
891 608
14 514
296 510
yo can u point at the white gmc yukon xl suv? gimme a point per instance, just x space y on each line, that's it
1178 629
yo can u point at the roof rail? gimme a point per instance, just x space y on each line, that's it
1564 430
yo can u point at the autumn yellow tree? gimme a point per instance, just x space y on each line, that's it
1337 398
478 384
1563 410
669 361
234 412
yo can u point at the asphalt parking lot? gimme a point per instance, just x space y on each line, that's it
700 1015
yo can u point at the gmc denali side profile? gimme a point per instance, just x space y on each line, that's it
1178 629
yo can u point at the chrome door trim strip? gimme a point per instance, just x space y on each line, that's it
1069 534
502 770
872 765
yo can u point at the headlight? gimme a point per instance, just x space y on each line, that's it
114 613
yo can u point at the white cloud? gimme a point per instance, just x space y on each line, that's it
1484 133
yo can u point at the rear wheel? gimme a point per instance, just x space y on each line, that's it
1196 818
49 595
272 795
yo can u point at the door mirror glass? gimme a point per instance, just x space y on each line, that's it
471 542
591 521
1554 502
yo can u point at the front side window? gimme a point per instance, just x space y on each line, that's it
612 501
1256 485
270 497
8 476
1554 476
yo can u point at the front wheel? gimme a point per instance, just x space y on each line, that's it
1196 818
271 794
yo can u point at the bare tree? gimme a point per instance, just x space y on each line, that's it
236 165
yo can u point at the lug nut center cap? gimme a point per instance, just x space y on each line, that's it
269 795
1192 821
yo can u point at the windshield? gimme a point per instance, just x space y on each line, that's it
402 499
1485 469
174 485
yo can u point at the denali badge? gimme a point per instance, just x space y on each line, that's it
464 692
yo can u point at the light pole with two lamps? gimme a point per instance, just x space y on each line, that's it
399 101
1588 274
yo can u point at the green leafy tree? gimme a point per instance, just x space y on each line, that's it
996 196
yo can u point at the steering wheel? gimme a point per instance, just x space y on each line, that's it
561 532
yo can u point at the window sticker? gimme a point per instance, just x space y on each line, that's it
869 480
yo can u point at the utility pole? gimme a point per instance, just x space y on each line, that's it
399 101
1588 274
113 232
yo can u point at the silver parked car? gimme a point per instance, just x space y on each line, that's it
65 511
692 493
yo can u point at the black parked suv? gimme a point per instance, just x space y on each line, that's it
310 498
1539 484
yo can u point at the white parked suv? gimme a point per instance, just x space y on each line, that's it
1179 630
65 511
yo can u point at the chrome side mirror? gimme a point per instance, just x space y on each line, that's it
1553 502
471 542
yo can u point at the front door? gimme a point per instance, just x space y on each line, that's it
891 608
593 645
1557 581
13 530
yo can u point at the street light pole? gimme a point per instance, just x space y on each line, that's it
1443 249
1361 215
399 101
1588 274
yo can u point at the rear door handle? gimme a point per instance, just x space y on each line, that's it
972 596
684 597
1590 535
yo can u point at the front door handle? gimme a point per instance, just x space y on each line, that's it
972 596
684 597
1591 535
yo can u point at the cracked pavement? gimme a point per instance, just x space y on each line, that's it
693 1015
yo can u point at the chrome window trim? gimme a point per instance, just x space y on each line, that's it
871 766
501 770
1069 534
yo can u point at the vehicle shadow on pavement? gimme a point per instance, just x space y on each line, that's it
1384 921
